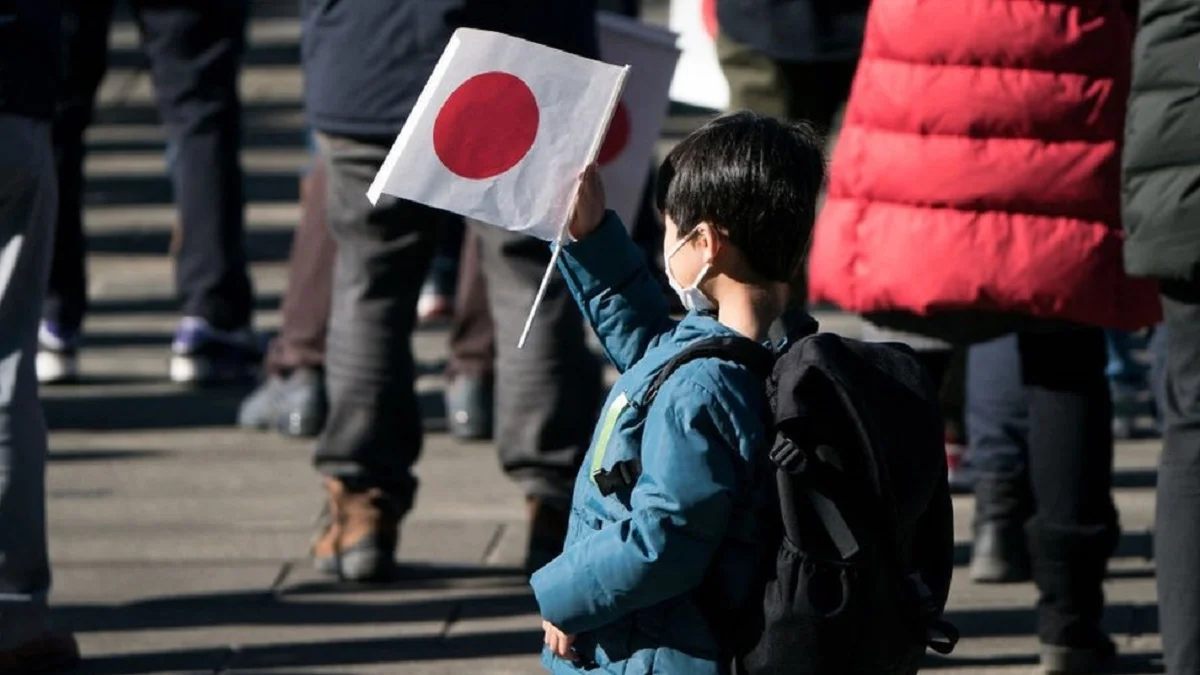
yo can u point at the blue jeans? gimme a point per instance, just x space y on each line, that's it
1122 367
997 408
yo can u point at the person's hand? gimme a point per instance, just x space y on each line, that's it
590 205
559 642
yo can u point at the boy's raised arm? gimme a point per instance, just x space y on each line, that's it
680 511
610 280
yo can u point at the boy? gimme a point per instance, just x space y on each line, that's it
738 197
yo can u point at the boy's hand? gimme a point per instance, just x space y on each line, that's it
559 642
590 205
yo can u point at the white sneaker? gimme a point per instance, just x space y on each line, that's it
58 355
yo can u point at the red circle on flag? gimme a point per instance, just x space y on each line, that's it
708 10
486 126
617 137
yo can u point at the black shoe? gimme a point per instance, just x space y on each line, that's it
469 407
1003 503
303 406
1069 566
1099 657
261 408
50 652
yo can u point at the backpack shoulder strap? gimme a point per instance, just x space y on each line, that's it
740 350
744 351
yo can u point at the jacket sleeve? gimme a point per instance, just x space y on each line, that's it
611 282
680 509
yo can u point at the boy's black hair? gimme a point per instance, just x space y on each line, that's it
755 179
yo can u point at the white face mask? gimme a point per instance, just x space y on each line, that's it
691 297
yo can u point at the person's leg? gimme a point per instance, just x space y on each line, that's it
548 393
85 26
631 8
1074 529
306 305
195 52
997 421
373 434
953 399
816 91
27 205
755 80
292 398
470 403
437 295
1177 534
1157 372
1127 379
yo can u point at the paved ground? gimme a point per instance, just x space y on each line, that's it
179 543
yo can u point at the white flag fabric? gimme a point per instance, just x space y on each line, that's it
699 80
501 132
628 147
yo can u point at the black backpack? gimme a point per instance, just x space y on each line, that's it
858 571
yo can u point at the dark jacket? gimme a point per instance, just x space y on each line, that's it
366 61
29 56
796 30
1162 144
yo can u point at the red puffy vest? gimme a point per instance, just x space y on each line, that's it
979 165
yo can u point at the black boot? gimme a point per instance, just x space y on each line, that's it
1069 566
1003 502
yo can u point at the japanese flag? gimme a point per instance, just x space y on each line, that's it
700 80
637 123
501 132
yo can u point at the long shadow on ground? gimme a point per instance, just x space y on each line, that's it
314 654
318 604
1131 545
179 408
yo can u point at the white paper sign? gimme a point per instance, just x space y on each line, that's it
699 80
501 132
626 152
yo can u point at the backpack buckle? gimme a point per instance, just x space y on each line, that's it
787 455
622 475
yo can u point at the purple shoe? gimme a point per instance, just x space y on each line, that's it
202 354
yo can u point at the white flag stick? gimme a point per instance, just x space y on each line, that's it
562 234
537 299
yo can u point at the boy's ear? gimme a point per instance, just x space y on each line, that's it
709 239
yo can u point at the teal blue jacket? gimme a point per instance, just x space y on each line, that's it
627 582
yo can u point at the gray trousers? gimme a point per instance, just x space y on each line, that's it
28 200
373 435
549 393
1177 528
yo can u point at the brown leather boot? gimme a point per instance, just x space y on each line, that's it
360 534
547 533
50 652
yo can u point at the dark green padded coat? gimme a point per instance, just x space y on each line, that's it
1161 194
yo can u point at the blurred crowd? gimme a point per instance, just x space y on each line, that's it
1014 192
